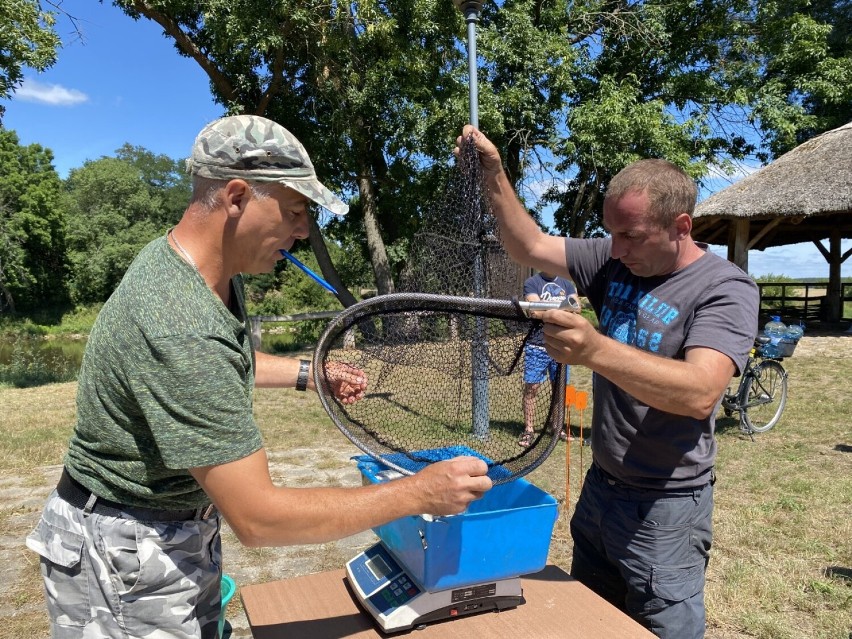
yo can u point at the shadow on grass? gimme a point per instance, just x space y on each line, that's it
836 572
725 425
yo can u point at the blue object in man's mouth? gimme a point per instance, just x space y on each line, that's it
316 278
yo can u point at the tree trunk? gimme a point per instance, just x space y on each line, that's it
375 243
513 161
329 272
6 298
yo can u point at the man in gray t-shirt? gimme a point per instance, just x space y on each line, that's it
675 324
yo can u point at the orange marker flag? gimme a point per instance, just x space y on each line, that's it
570 396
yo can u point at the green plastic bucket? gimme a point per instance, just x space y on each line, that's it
228 590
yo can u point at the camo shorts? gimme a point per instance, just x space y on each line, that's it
110 577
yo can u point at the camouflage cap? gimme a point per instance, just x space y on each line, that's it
253 148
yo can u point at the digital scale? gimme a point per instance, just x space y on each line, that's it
398 602
427 569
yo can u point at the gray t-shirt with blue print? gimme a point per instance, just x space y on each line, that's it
711 303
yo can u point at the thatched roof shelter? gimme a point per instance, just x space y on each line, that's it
803 196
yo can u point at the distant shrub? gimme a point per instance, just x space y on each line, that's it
78 321
767 289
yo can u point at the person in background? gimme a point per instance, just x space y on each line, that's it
675 323
166 444
538 365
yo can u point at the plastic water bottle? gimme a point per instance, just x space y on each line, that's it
794 332
775 327
775 330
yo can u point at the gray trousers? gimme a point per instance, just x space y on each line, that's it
645 551
115 578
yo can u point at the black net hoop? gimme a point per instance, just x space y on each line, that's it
445 378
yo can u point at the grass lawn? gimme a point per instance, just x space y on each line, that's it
781 566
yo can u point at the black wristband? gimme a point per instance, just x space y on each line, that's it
302 379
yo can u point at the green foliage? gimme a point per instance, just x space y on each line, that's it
12 327
32 227
570 93
772 286
165 177
288 290
116 205
377 92
650 80
77 321
29 40
65 323
771 277
802 52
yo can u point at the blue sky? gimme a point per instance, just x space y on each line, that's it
125 82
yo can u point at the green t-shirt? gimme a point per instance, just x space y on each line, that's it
165 385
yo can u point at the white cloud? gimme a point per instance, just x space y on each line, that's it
52 94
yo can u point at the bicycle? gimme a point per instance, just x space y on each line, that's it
761 395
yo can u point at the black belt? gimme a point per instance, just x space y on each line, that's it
614 481
78 495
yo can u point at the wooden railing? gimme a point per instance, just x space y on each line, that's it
800 301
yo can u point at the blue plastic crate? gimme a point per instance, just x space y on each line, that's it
503 535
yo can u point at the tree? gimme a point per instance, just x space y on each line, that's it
570 92
701 84
32 227
802 52
112 215
351 81
28 40
165 178
644 79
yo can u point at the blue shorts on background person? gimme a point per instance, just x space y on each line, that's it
538 365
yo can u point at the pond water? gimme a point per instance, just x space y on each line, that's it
30 361
53 350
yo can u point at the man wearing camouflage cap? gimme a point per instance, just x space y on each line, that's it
165 442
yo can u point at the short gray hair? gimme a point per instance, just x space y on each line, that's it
669 189
205 191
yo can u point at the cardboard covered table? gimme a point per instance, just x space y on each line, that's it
321 606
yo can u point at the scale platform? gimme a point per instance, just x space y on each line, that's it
397 602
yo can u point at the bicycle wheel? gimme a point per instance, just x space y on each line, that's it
766 395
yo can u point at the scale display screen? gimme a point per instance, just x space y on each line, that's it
378 567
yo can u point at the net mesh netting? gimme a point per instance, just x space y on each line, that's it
444 359
457 250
